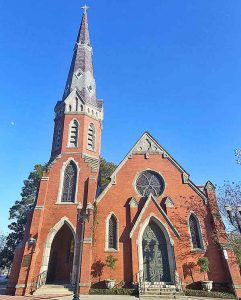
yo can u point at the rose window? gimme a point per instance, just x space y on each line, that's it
150 182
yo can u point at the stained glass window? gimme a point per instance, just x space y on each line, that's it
112 234
195 233
69 184
150 182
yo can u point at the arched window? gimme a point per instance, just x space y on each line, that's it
76 104
58 135
69 184
91 137
112 233
73 134
195 233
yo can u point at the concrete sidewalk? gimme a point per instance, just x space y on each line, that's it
95 297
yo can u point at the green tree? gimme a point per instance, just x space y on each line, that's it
203 264
2 241
110 263
230 193
106 169
18 214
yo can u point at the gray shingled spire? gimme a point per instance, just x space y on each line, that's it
81 75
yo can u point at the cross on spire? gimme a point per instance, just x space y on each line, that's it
85 8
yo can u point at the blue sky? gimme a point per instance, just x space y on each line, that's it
170 67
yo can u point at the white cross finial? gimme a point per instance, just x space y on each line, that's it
85 8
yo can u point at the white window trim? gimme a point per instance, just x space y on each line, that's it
203 247
61 182
70 126
107 249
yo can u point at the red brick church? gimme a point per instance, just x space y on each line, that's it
151 217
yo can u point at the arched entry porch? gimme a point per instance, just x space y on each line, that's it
59 253
155 252
61 257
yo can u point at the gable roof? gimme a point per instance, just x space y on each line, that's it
146 144
169 222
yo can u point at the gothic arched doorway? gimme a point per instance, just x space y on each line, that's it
61 256
156 266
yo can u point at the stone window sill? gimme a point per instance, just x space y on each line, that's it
111 250
66 203
198 250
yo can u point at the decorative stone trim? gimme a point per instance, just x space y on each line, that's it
169 202
185 178
44 178
133 203
165 155
147 155
92 162
39 207
83 284
87 241
113 179
167 219
159 150
210 187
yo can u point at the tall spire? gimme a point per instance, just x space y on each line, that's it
81 74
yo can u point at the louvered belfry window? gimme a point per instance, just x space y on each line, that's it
58 136
69 184
112 234
91 137
73 135
195 233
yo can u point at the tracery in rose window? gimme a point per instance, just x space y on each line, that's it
150 182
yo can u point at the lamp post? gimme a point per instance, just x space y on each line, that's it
234 215
83 214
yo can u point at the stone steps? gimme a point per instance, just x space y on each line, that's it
54 289
161 292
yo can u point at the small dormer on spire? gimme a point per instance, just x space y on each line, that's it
81 74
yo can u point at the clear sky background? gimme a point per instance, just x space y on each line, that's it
167 66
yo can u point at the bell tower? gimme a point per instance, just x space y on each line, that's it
69 182
79 115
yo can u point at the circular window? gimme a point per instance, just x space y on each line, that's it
150 182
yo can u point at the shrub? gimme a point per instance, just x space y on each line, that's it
201 293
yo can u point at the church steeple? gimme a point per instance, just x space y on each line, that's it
81 74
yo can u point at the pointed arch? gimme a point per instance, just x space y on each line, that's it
49 239
195 232
169 241
73 134
58 136
91 137
68 183
112 233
